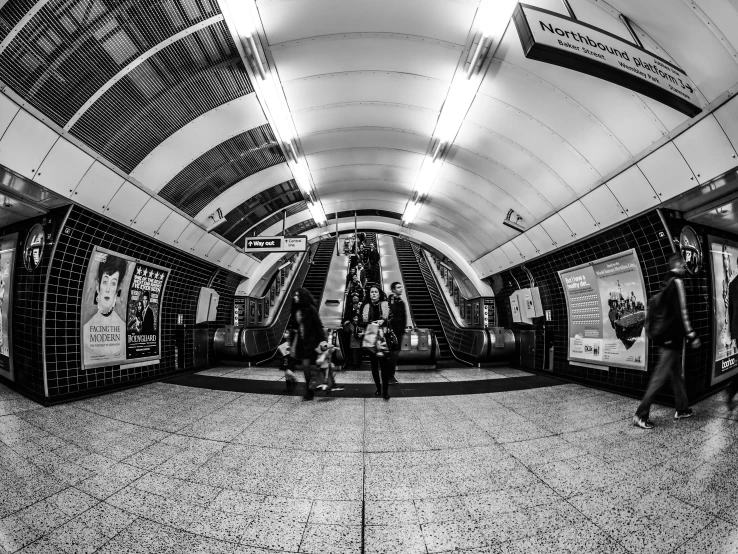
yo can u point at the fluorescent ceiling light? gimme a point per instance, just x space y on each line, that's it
427 176
316 210
411 212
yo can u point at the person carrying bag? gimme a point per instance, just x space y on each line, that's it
374 315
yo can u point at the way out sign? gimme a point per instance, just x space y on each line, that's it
276 244
556 39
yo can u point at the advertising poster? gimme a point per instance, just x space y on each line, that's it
724 258
456 294
120 316
606 306
144 301
7 259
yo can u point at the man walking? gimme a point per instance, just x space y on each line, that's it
398 322
677 327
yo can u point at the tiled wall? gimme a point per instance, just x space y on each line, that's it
79 234
644 233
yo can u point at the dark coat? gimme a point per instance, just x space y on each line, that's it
679 325
398 320
147 328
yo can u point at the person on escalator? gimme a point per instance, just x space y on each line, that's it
373 258
398 323
350 276
308 334
376 310
356 288
361 274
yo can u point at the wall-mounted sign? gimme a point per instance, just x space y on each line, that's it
606 306
33 248
239 311
489 313
724 258
556 39
276 244
7 259
116 332
689 246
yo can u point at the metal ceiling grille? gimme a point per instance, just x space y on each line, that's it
222 167
70 49
181 82
277 218
11 14
256 208
299 228
360 213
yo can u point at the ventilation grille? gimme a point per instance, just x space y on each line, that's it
258 207
221 167
70 49
299 228
179 83
277 218
11 14
360 213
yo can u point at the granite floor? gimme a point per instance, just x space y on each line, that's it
170 469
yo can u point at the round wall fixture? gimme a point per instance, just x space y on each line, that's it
689 246
33 249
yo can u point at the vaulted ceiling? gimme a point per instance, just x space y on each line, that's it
162 103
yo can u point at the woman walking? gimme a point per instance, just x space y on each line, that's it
308 333
376 310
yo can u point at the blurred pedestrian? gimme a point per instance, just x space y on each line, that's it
309 333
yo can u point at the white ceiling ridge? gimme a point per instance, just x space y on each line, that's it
511 172
366 128
138 61
430 211
566 143
362 165
569 100
453 241
365 103
398 181
400 74
360 35
669 137
474 209
351 148
527 152
493 184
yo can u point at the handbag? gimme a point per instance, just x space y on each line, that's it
393 345
370 336
284 348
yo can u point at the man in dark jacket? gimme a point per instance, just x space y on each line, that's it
669 365
373 259
398 323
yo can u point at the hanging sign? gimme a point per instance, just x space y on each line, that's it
276 244
549 37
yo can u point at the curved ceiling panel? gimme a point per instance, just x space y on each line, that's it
365 137
163 163
68 50
274 219
518 160
222 167
361 185
246 188
688 40
256 208
502 177
363 172
568 119
620 110
447 20
365 114
532 135
429 225
394 53
186 79
360 86
458 221
364 156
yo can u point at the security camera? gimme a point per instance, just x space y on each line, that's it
513 221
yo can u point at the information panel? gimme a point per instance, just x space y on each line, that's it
115 331
606 306
239 311
276 244
724 263
7 258
556 39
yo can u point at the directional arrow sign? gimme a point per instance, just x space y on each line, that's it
276 244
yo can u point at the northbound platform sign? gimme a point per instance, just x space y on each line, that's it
276 244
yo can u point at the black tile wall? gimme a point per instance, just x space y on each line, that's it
81 231
644 233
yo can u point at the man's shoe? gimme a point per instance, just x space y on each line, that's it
337 387
393 381
684 413
643 423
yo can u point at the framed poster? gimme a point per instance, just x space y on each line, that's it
606 306
456 294
724 263
8 247
462 308
121 310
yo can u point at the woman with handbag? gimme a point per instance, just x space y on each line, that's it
374 315
309 333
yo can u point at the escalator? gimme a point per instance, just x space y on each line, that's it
318 272
419 299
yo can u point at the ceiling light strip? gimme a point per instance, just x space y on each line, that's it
138 61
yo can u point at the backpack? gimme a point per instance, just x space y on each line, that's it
657 315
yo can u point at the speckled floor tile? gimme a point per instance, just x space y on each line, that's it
407 539
331 539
